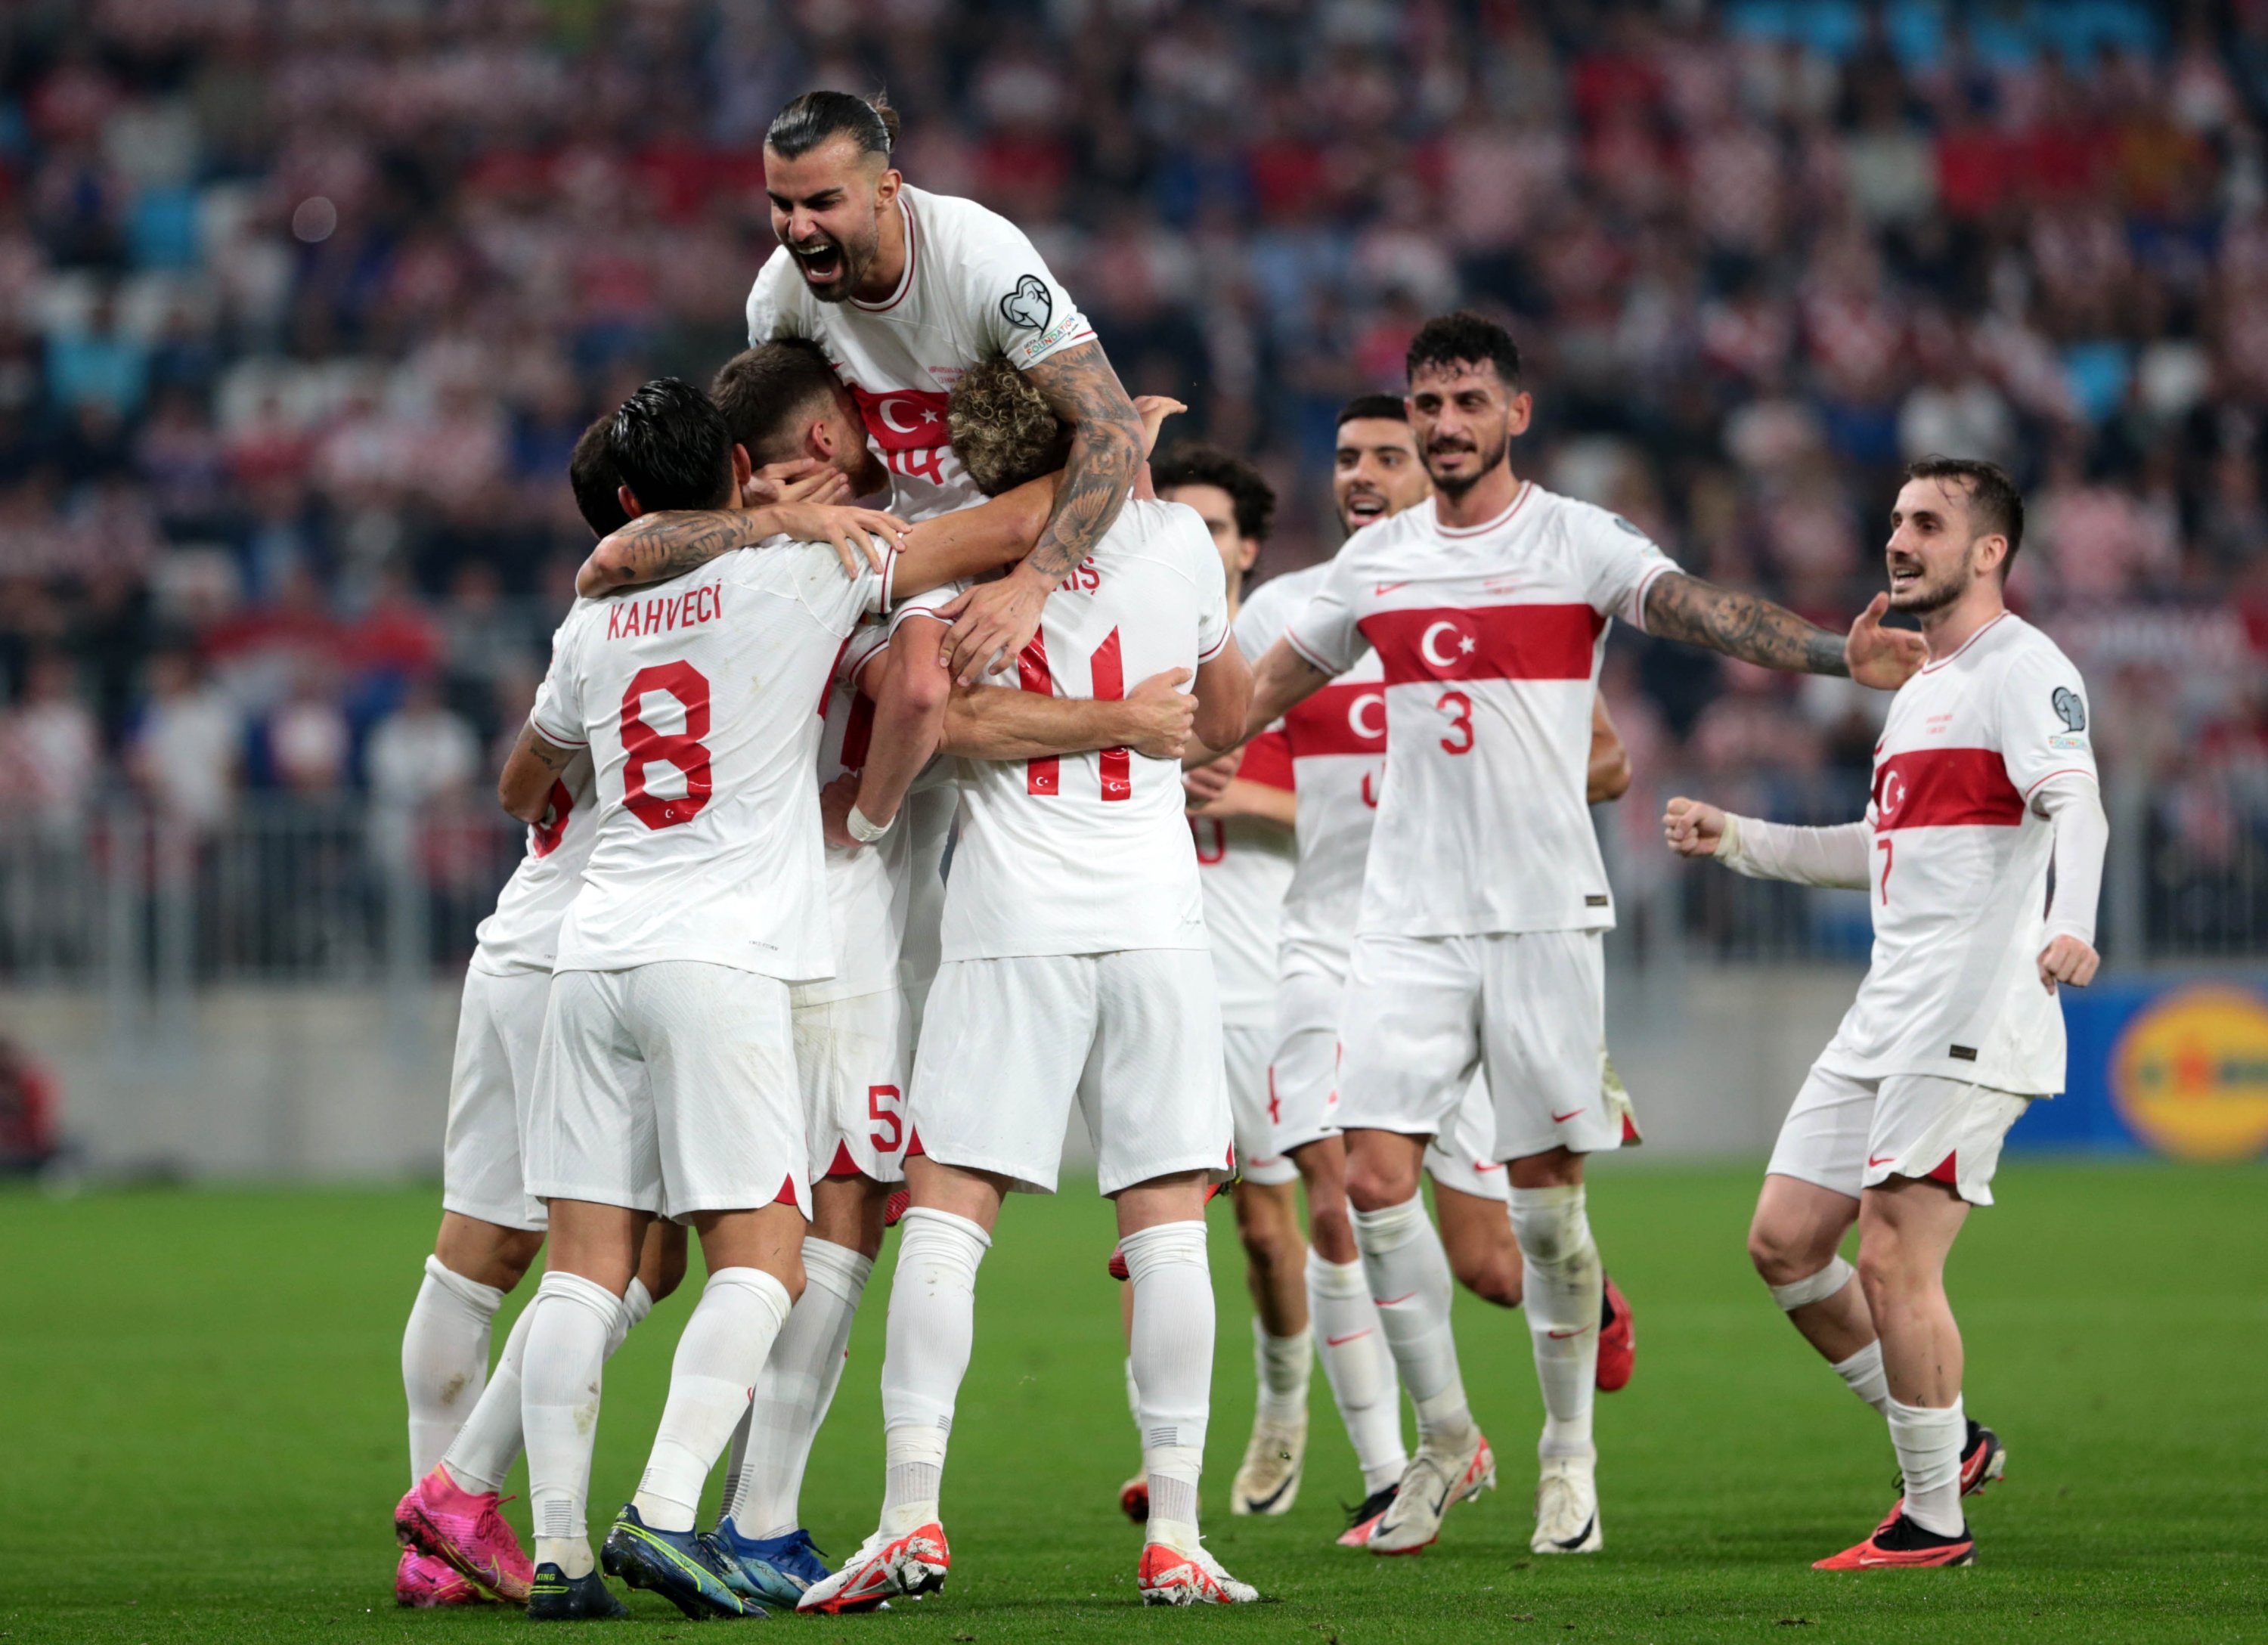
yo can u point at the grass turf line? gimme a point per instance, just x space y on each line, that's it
201 1411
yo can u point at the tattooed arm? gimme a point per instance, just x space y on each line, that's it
1679 607
533 765
998 619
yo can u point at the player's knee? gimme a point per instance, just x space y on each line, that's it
1782 1255
1550 1223
1493 1275
513 1256
1331 1232
1374 1183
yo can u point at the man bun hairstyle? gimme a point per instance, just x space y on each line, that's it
816 116
591 475
1465 338
1388 407
1002 428
765 392
1995 505
1249 494
670 446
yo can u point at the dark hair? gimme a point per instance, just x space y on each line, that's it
1252 498
591 472
1003 429
671 447
1387 407
759 391
1994 503
816 116
1465 338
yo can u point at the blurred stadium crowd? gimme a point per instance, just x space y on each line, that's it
302 303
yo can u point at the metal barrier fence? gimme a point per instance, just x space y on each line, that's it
293 891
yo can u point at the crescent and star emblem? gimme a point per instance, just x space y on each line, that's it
1361 712
1465 645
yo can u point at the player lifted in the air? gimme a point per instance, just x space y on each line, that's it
1075 970
1983 797
1483 897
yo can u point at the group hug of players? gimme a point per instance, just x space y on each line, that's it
1304 883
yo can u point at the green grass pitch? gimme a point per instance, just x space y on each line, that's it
201 1407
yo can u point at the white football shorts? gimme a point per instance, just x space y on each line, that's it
1008 1045
853 1058
1846 1133
500 1032
1525 1008
668 1087
1246 1057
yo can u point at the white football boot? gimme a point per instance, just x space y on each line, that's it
913 1562
1268 1481
1567 1508
1430 1484
1174 1575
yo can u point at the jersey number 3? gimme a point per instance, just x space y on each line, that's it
643 745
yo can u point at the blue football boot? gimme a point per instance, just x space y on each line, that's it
779 1568
679 1565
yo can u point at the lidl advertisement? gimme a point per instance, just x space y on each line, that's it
2179 1068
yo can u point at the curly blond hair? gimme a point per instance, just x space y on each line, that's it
1003 431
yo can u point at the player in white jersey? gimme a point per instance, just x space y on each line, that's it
464 1425
1075 970
1984 787
666 1084
1488 610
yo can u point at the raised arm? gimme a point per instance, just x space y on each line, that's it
1105 448
999 722
1681 607
1610 774
524 790
970 541
1769 851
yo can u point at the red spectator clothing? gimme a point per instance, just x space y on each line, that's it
27 1107
1976 167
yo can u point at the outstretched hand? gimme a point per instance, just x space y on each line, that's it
1884 658
852 531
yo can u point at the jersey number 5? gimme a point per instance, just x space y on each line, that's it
684 749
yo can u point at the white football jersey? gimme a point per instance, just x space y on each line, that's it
866 888
1090 854
701 702
1960 867
1244 867
522 934
973 287
1490 637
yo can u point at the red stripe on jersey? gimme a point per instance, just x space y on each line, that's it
1945 788
1042 776
1524 642
1108 670
1339 719
1268 760
857 732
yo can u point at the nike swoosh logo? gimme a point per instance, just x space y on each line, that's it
1262 1504
1388 1302
1441 1502
1485 1170
1580 1537
1562 1118
1387 588
1352 1336
1562 1336
1885 1160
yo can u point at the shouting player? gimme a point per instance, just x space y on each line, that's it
1075 971
1984 798
666 1085
1488 609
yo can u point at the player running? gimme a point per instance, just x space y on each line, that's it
457 1548
1076 968
666 1085
1984 798
1488 611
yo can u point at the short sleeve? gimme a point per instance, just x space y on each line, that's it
1022 309
1212 590
816 577
1616 563
1324 631
870 637
774 310
557 716
1260 620
926 604
2045 725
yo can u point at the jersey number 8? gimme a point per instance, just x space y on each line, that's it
684 749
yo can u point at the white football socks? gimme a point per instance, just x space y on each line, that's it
563 1370
718 1360
1863 1373
1565 1283
444 1359
1409 1275
772 1446
1358 1365
1172 1345
489 1442
932 1326
1928 1443
1282 1366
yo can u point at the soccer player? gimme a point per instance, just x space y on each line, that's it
666 1084
457 1547
1488 609
1076 970
1982 855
